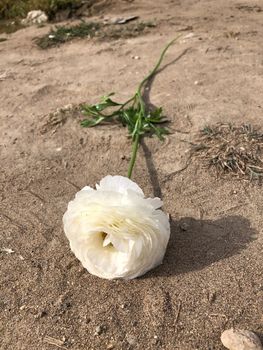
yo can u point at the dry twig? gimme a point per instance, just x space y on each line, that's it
56 342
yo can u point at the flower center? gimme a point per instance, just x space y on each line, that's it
105 240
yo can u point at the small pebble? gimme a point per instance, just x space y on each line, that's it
238 339
211 297
43 313
184 226
67 107
7 250
124 306
189 35
131 339
99 329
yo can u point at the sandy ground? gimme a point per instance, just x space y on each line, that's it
212 276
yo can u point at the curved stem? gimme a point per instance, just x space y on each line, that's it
128 101
157 64
135 145
141 103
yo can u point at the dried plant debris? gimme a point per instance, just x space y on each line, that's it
131 30
232 150
56 342
62 34
52 121
9 27
249 8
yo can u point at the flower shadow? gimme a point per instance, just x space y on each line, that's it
195 244
260 335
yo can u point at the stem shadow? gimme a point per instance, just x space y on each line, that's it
148 85
195 244
147 153
153 175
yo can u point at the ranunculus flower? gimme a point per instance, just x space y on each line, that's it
115 231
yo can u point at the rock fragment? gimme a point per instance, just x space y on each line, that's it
131 340
35 17
239 339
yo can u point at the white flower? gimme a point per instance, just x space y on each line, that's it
115 231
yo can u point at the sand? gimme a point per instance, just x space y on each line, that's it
212 276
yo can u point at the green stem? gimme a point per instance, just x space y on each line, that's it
135 146
141 103
157 64
138 94
128 101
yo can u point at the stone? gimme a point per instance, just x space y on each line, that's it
238 339
100 329
131 339
35 17
184 226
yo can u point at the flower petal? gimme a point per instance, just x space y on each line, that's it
115 231
106 241
156 202
87 188
118 184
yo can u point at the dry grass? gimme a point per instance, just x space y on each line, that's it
13 8
62 34
232 150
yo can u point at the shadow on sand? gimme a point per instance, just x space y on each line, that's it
195 244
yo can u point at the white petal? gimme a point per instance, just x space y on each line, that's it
84 190
106 241
156 202
137 230
122 245
87 188
118 184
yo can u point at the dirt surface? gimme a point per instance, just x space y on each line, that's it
212 276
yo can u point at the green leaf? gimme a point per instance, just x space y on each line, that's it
87 123
160 132
97 109
133 113
108 101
